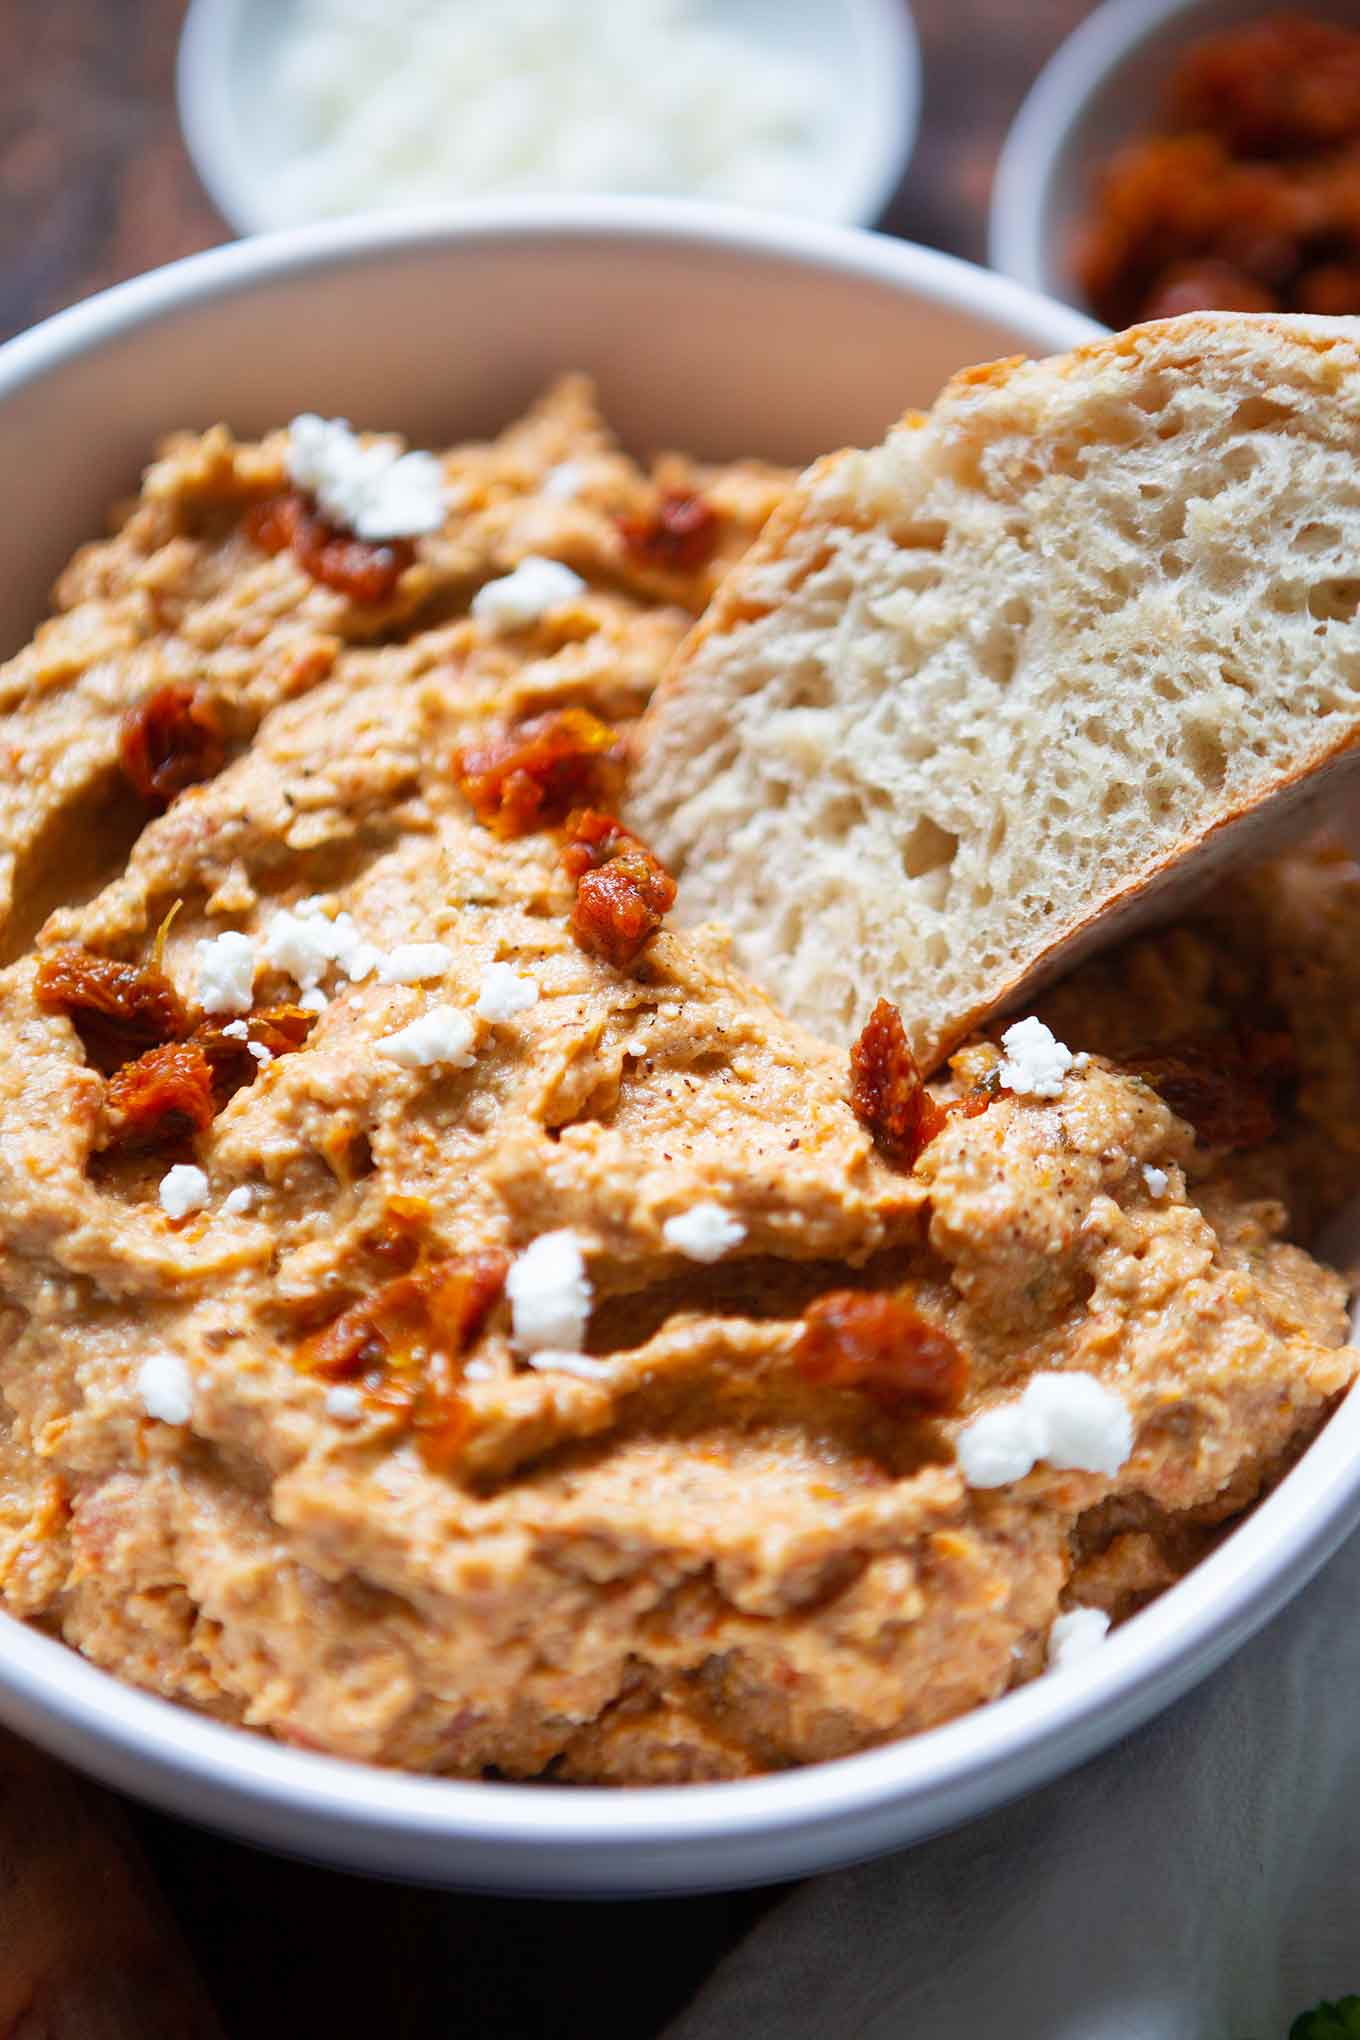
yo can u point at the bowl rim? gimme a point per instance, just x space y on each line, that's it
204 95
510 1836
1018 219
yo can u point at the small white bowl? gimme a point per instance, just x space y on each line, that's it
1103 87
726 334
865 52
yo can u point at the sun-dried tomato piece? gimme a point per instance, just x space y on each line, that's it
367 570
881 1345
403 1346
118 1009
529 776
173 740
887 1089
280 1029
1220 1092
160 1098
623 892
678 536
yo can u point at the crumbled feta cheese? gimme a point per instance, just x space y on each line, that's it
313 1000
550 1295
1075 1636
504 993
236 1030
183 1189
564 481
999 1447
1071 1420
344 1402
239 1201
443 1035
165 1388
548 1361
519 599
411 963
374 490
1035 1061
261 1054
408 103
305 942
703 1233
1156 1180
479 1369
1081 1061
226 973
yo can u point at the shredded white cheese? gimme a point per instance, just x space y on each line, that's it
442 1035
1071 1420
412 963
165 1388
373 489
226 973
550 1295
1076 1635
519 599
409 103
703 1233
239 1201
183 1189
1035 1062
1156 1180
504 993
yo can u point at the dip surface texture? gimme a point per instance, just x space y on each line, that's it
410 1309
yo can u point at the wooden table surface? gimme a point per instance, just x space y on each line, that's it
95 186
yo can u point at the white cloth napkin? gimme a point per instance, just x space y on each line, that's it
1201 1881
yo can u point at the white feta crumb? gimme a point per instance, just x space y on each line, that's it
313 1000
479 1370
261 1054
236 1030
504 993
239 1201
519 599
411 963
1081 1061
704 1232
442 1035
550 1295
564 481
305 942
183 1189
374 490
1071 1420
165 1388
999 1447
344 1403
1075 1636
226 973
1156 1180
1035 1061
549 1361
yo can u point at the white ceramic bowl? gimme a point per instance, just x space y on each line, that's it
724 334
1103 87
865 52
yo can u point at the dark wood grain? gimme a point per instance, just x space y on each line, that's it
95 186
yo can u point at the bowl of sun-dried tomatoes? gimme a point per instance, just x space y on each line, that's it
1190 155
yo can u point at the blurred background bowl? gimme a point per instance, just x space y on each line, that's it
863 53
1103 88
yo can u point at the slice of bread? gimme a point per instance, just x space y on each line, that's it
1038 664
